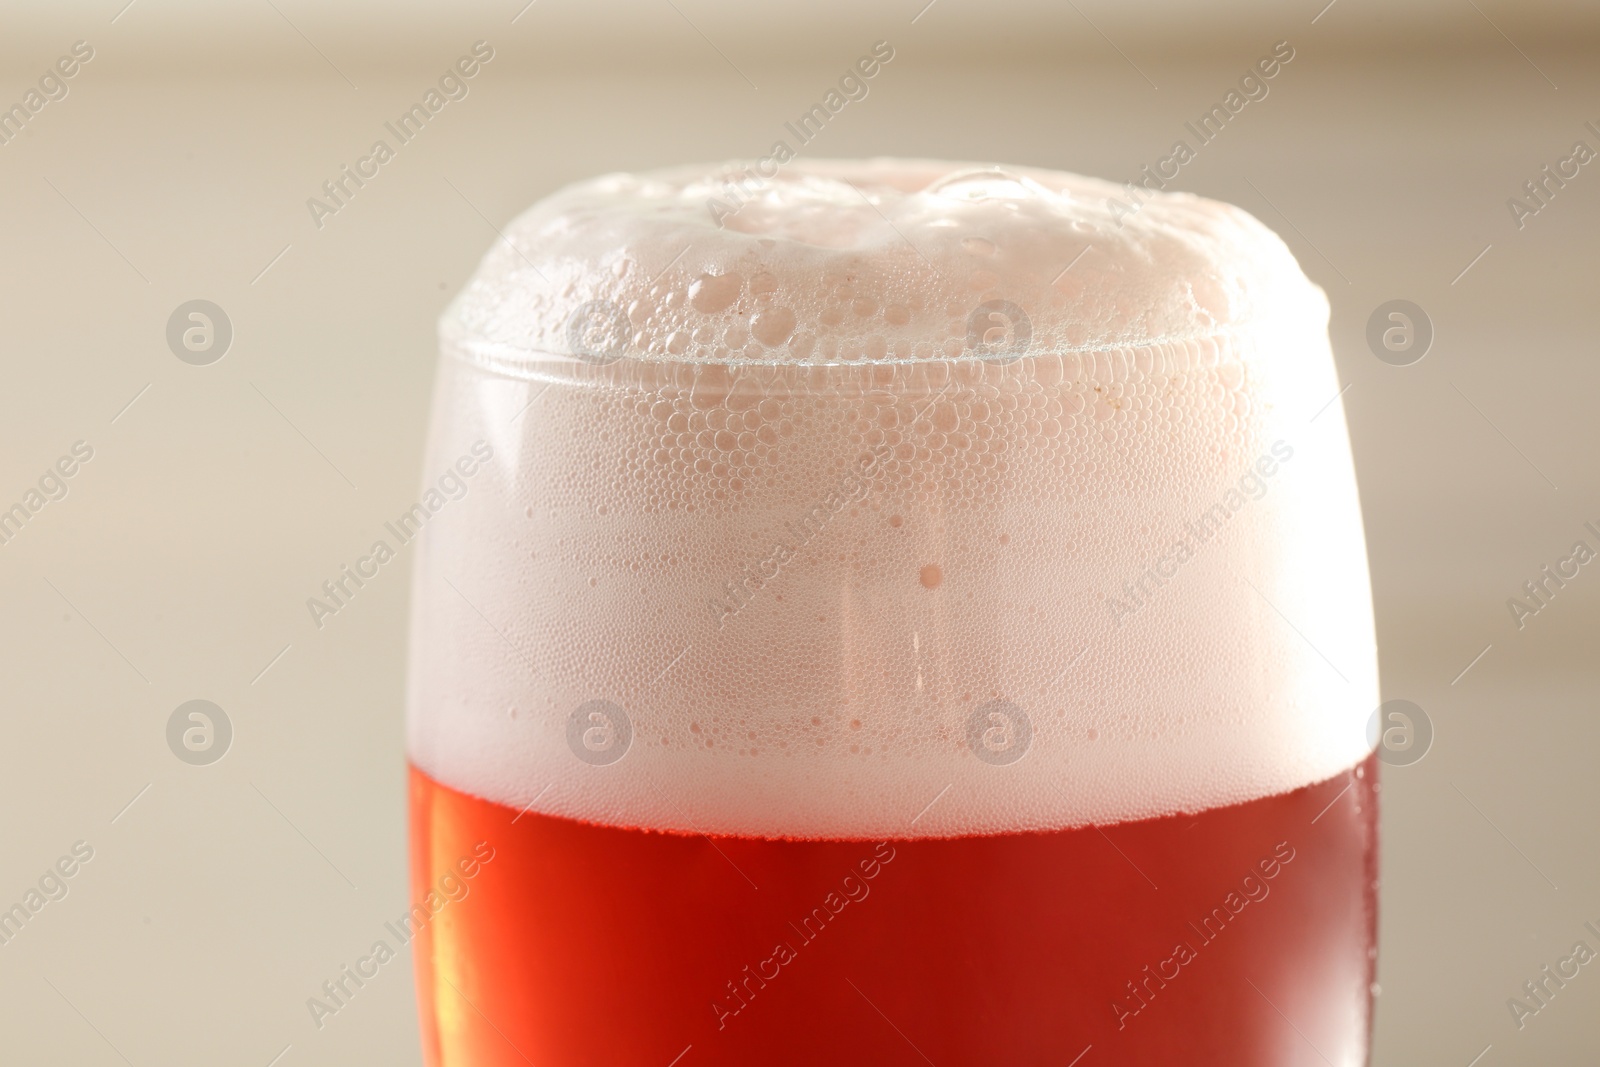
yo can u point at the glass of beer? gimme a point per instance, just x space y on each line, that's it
890 612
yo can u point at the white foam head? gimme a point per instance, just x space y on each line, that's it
815 498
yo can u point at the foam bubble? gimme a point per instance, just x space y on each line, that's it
880 502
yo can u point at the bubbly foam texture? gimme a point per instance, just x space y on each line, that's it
880 261
848 567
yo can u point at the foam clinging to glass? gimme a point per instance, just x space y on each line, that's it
809 509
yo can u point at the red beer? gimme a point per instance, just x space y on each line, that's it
844 634
595 945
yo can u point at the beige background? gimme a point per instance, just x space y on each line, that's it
179 563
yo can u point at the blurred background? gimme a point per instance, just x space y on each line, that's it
175 164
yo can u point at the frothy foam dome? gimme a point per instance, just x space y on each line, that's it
852 262
918 499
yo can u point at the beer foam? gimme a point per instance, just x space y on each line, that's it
888 499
